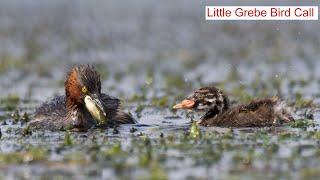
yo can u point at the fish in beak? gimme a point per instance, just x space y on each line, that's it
95 107
185 104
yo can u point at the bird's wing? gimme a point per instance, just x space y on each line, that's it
113 109
110 103
56 106
247 115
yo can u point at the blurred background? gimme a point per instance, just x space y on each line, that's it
151 54
151 44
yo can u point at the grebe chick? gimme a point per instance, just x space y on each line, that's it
257 113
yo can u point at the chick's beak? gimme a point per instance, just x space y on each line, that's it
185 104
94 105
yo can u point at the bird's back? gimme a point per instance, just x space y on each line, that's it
54 107
257 113
51 115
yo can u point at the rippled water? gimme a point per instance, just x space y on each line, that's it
151 57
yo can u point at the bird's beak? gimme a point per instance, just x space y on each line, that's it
94 106
185 104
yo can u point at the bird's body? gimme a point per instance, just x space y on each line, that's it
70 111
257 113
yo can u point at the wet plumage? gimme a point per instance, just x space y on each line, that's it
209 99
257 113
69 111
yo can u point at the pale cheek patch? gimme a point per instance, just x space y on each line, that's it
201 106
282 107
210 100
282 111
74 116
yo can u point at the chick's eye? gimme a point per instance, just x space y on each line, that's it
84 89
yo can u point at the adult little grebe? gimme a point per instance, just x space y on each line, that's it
83 105
257 113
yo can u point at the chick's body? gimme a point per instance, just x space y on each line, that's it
256 113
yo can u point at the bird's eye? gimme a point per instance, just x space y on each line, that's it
84 89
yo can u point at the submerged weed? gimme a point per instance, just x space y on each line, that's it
25 117
303 103
161 102
139 109
67 139
174 81
31 155
316 135
157 172
26 131
15 116
301 123
10 102
195 130
114 150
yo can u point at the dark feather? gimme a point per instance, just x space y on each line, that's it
257 113
112 106
210 98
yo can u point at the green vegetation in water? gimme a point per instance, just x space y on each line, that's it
10 102
8 62
18 118
316 135
302 123
114 150
241 93
289 152
103 70
67 139
195 130
28 156
26 131
158 173
137 98
310 173
118 76
142 96
25 117
160 102
15 116
192 60
303 103
139 109
174 81
205 148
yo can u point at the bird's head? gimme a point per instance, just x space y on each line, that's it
282 111
83 88
205 98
